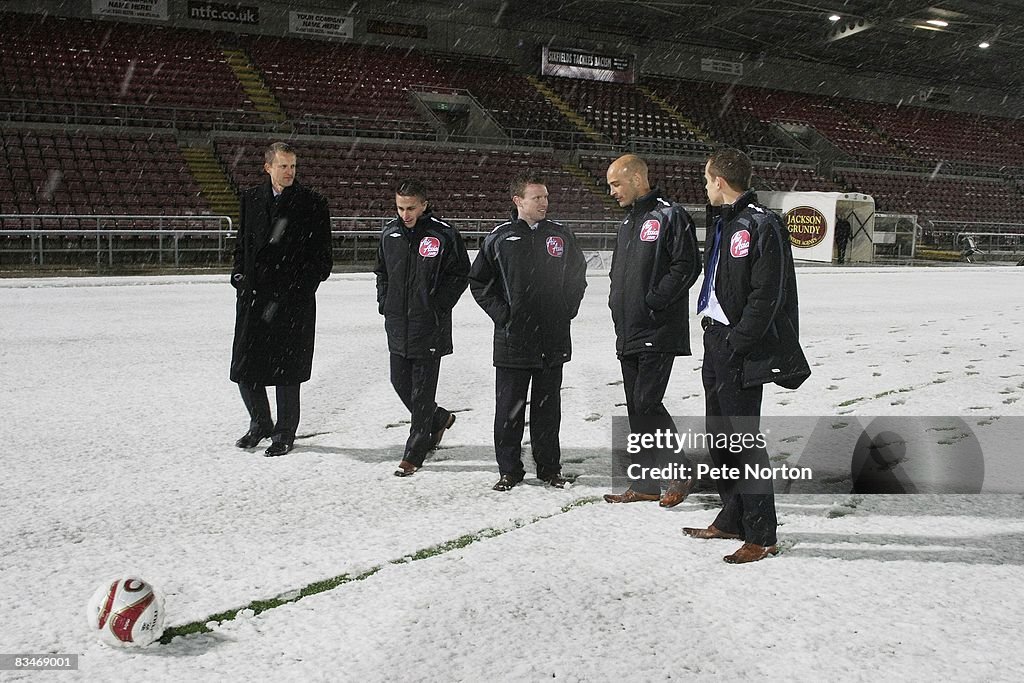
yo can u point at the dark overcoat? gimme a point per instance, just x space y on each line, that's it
282 254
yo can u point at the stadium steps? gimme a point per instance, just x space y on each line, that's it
686 123
591 183
214 185
567 111
255 89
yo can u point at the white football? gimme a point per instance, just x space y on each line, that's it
126 612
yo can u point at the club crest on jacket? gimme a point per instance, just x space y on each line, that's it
650 230
556 247
739 245
429 246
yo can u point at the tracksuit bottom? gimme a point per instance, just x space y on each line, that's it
415 382
645 377
510 390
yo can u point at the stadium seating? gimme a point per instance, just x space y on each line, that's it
74 70
57 172
935 136
142 77
513 102
620 111
465 182
709 105
968 200
332 81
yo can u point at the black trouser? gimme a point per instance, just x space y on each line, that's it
645 377
255 398
415 382
510 387
841 249
748 503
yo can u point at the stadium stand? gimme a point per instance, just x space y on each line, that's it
970 200
81 71
331 82
510 98
934 136
709 106
58 172
620 111
151 91
465 182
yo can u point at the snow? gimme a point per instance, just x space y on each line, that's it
118 431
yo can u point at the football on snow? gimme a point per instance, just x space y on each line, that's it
126 612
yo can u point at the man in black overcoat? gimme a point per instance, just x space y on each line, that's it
282 254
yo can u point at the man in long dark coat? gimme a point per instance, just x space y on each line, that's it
282 254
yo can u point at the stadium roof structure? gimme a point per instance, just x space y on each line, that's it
941 40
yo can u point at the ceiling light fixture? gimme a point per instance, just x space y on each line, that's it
983 45
938 22
834 18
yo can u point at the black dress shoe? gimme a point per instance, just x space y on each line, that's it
277 448
406 469
251 439
556 481
507 481
449 420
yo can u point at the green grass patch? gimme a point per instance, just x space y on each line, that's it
262 605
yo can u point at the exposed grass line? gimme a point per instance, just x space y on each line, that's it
890 392
260 606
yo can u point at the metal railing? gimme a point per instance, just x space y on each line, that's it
106 241
113 114
46 239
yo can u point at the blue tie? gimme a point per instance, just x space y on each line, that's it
709 272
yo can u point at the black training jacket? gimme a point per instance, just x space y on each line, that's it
421 273
756 286
530 282
654 265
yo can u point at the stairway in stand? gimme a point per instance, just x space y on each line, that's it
213 182
566 110
255 89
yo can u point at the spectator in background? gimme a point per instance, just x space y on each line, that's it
842 238
529 278
421 270
282 254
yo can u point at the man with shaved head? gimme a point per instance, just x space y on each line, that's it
654 265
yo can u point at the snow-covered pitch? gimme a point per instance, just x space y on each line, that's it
118 429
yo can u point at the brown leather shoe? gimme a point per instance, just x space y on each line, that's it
750 552
630 496
406 469
711 532
677 492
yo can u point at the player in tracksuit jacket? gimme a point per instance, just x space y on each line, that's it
421 270
751 338
653 267
529 277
